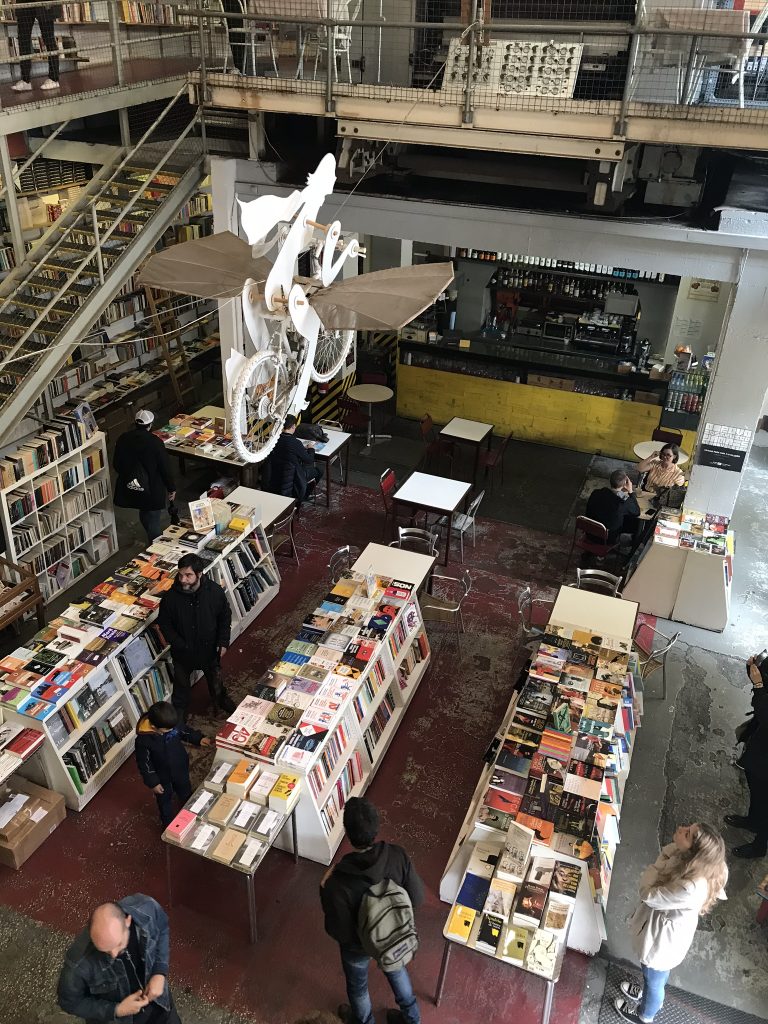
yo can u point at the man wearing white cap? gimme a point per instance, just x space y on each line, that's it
144 477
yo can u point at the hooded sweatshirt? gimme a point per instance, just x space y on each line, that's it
352 877
161 756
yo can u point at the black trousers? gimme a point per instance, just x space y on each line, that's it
758 809
182 686
237 37
25 19
165 805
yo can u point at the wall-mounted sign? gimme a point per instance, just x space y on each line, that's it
724 447
703 289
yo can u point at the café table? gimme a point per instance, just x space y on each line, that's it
371 394
428 493
644 449
337 443
471 432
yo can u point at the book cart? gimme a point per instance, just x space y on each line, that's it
574 820
89 715
350 675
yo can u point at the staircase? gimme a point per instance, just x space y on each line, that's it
50 302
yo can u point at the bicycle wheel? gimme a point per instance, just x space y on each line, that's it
262 397
330 353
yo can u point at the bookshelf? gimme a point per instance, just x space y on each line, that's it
360 727
58 520
90 725
587 929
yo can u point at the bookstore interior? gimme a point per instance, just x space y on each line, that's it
588 357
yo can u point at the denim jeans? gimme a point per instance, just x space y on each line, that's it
150 520
654 983
356 972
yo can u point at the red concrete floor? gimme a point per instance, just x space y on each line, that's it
423 788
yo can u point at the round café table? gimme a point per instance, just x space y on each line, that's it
643 449
371 394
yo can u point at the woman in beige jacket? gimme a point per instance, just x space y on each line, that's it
685 882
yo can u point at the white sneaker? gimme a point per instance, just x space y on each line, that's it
631 990
49 84
22 86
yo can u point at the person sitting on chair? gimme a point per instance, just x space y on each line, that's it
292 469
661 469
615 506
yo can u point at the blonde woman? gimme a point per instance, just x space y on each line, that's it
685 882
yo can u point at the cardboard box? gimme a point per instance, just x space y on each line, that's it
649 397
48 811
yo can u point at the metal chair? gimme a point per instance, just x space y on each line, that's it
598 581
667 436
281 533
590 536
436 608
463 522
411 538
655 657
341 561
531 633
338 40
489 460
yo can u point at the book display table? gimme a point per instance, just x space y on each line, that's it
398 562
241 843
558 767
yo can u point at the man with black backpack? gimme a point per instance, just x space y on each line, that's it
368 899
144 477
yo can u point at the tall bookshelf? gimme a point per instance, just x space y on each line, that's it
351 754
59 521
95 726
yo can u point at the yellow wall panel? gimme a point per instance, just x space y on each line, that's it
587 423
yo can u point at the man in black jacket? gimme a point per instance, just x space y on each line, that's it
615 506
195 619
754 761
292 468
341 893
117 967
144 477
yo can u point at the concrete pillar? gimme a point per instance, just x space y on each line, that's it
406 253
737 390
257 145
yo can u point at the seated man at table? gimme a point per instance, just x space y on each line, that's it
292 469
615 506
661 469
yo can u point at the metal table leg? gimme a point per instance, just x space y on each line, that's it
449 531
548 1002
168 873
251 908
294 837
327 483
443 972
346 463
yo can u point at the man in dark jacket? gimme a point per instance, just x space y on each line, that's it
341 893
162 760
144 477
754 761
118 965
615 506
195 619
292 469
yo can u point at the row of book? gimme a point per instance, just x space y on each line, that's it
294 707
516 907
63 434
330 756
379 722
89 755
349 777
413 657
80 708
152 687
17 744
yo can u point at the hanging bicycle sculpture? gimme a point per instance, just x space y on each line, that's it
301 327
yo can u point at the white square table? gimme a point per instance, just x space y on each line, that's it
433 494
272 506
408 566
469 432
603 615
338 441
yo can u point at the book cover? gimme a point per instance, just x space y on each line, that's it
565 879
489 933
250 854
543 830
502 801
500 898
507 781
531 900
557 915
245 816
483 859
514 857
227 846
542 954
460 922
473 892
515 943
181 826
490 818
268 825
285 715
223 809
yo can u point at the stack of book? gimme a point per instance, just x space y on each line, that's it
17 744
64 433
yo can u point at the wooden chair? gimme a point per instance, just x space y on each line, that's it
591 537
598 581
531 633
411 538
281 533
435 447
447 608
341 561
667 436
388 486
489 460
653 656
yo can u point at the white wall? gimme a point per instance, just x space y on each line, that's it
697 322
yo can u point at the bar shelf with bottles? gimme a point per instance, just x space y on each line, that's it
685 399
520 262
